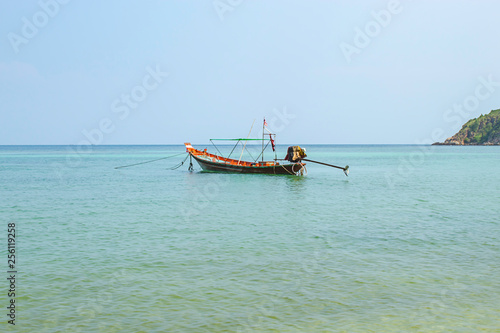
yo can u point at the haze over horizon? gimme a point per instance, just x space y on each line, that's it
167 72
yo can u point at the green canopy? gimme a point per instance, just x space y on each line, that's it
240 139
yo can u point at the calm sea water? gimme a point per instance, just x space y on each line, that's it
409 242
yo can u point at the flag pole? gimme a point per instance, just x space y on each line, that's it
275 154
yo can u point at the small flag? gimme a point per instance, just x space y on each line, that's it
272 142
265 122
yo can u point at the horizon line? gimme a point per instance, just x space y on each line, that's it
178 144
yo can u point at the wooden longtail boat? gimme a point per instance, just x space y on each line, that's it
291 165
219 163
216 163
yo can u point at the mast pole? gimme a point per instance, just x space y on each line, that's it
263 138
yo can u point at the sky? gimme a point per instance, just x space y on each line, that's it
173 71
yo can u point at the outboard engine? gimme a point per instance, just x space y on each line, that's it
295 154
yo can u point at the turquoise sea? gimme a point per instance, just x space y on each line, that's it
409 242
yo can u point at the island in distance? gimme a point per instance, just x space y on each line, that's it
482 131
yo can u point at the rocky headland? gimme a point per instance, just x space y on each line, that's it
481 131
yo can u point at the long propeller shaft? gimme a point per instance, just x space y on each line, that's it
345 169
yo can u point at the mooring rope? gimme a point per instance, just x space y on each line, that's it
305 170
159 159
179 165
287 170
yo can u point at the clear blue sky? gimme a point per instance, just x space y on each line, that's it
79 67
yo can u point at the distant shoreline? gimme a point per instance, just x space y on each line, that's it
465 144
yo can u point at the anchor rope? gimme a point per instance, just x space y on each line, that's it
159 159
178 165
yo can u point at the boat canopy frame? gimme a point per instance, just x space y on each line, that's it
238 141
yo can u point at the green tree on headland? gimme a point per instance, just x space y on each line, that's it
484 130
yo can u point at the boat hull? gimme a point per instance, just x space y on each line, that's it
275 169
215 163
